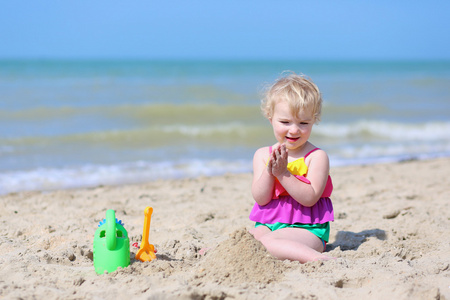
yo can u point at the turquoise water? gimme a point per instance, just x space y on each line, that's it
70 124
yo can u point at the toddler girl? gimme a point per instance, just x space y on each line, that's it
291 183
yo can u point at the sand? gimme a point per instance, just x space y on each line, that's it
390 237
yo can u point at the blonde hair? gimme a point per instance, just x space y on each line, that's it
298 91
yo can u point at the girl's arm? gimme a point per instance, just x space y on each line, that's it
304 193
263 180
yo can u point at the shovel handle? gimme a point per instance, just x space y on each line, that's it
148 216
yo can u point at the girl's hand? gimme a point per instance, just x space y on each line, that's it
279 161
263 180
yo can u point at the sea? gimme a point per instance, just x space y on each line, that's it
84 123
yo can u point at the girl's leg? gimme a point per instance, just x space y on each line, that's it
259 231
292 243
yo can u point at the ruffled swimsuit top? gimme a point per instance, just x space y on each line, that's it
285 209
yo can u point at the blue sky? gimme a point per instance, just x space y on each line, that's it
226 30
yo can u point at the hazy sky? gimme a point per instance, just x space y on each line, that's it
276 29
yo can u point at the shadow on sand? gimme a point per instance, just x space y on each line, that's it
348 240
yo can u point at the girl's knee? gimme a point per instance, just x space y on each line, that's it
252 231
259 232
266 239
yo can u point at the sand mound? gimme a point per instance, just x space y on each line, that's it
239 259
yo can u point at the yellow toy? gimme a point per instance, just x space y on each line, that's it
147 251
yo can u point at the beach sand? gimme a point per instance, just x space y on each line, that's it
390 237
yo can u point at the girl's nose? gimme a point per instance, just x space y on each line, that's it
294 129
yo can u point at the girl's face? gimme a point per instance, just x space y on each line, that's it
293 131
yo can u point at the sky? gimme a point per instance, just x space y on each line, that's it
232 29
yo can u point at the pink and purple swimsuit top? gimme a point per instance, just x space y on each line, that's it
285 209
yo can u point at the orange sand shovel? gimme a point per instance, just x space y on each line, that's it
147 251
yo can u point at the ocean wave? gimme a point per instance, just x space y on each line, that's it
392 150
151 113
92 175
146 114
231 134
46 179
364 109
383 130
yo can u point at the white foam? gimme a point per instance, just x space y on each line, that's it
94 175
202 130
429 131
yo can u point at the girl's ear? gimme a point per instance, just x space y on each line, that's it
270 120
